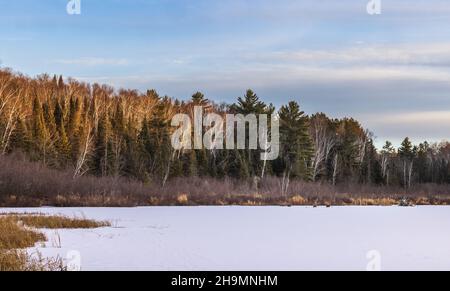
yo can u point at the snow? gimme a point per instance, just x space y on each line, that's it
255 238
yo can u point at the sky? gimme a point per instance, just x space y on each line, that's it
390 71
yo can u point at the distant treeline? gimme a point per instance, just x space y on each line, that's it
92 129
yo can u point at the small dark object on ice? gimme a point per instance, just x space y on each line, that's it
406 203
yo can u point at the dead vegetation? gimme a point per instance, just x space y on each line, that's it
28 184
21 261
15 236
57 222
18 232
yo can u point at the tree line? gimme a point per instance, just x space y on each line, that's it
94 130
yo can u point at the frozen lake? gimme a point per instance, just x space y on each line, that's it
256 238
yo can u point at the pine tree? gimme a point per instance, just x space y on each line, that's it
132 159
296 144
422 164
63 146
21 138
102 153
237 166
74 117
156 143
202 162
74 127
61 83
407 153
406 149
349 134
250 104
58 115
49 118
39 133
190 164
387 165
198 99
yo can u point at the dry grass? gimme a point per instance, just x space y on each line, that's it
298 200
20 261
58 222
16 234
183 199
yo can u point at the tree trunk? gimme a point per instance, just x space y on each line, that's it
335 169
166 176
410 173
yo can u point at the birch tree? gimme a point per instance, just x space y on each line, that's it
324 141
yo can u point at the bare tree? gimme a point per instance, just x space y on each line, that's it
85 151
387 153
324 142
335 168
86 146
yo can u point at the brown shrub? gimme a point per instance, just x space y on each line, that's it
29 184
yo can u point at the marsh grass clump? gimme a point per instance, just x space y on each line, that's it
12 260
17 232
298 200
183 199
58 222
15 236
21 261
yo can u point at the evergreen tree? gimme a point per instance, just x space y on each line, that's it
155 138
74 118
39 133
250 104
74 127
102 153
190 164
296 144
407 153
49 118
386 164
63 146
198 99
103 132
21 138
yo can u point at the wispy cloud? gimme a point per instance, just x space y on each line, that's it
418 125
435 54
437 118
93 61
351 65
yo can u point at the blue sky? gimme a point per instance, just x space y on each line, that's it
391 71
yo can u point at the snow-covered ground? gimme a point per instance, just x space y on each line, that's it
256 238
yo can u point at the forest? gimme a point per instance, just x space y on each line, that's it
119 143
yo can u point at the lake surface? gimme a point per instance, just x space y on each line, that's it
255 238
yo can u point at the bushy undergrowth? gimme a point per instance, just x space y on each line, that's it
24 183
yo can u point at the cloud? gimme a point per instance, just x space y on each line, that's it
298 10
418 125
395 90
432 57
437 118
93 61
